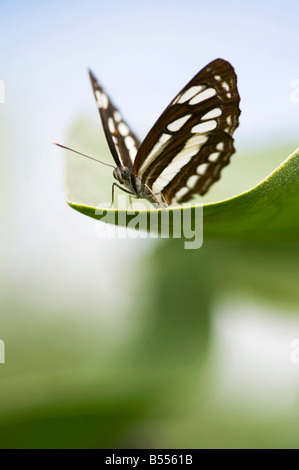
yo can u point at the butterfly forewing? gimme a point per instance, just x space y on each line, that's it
122 142
185 151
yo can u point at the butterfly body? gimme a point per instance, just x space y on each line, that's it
132 184
186 149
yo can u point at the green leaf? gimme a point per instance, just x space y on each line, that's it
269 211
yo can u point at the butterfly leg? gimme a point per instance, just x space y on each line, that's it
153 195
120 187
158 194
164 200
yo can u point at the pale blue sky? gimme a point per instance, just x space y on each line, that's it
144 52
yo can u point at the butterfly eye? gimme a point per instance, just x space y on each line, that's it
125 172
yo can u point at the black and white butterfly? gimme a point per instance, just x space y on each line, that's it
184 152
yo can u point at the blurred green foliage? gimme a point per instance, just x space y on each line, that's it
69 384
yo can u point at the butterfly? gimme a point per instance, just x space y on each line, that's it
188 146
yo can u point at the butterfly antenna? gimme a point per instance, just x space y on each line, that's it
83 154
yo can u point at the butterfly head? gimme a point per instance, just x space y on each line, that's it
122 174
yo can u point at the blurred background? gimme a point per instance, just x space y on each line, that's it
138 343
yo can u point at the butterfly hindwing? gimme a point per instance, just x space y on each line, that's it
186 149
122 142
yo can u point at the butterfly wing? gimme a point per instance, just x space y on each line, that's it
122 142
186 149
